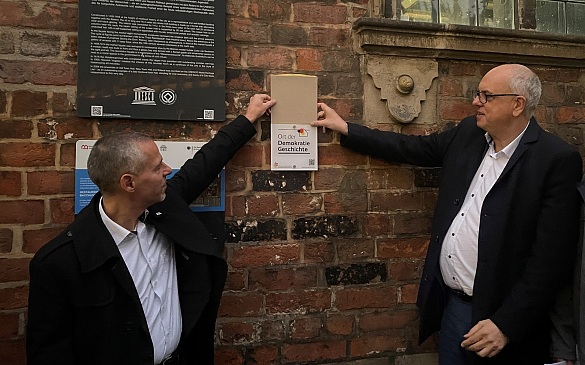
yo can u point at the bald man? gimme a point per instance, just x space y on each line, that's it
505 226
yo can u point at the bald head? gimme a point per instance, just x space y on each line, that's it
522 81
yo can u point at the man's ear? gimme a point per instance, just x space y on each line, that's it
127 183
519 106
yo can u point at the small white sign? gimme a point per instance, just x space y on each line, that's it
293 147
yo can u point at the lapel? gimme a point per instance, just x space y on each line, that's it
95 248
530 137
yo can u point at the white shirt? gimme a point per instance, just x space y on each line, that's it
458 260
150 259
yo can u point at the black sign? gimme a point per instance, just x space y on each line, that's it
151 59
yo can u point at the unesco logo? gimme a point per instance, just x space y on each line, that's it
168 96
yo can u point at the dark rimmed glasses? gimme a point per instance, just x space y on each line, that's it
485 97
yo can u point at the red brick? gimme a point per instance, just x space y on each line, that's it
407 293
451 87
67 158
329 37
71 46
234 180
6 237
552 93
354 249
329 178
570 114
406 270
3 102
28 103
233 56
22 212
430 200
463 69
360 12
275 58
569 75
50 182
241 305
377 344
419 129
301 203
339 324
305 327
269 10
380 321
33 240
250 256
235 7
337 155
314 351
262 205
236 280
335 203
12 13
341 60
377 224
545 74
319 252
66 128
306 301
38 72
264 355
39 45
10 183
13 297
237 333
248 156
246 30
60 103
411 224
318 13
9 325
309 59
399 177
21 129
365 297
268 279
415 247
62 210
16 154
13 270
384 202
228 355
272 330
12 352
455 109
53 16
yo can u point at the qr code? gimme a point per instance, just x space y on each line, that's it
208 114
97 110
311 162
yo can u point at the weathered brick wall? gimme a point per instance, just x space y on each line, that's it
324 266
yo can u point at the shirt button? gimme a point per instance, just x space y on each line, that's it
449 256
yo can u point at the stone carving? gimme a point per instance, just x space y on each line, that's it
402 83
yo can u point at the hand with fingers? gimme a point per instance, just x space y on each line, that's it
485 339
328 118
260 104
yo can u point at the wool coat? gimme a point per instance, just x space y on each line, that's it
83 305
528 229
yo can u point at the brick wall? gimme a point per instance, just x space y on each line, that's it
324 266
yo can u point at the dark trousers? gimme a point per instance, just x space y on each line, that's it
456 322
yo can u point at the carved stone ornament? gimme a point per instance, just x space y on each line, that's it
402 83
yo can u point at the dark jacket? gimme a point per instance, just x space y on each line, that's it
528 229
83 305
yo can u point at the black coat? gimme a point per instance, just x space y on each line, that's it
528 228
83 305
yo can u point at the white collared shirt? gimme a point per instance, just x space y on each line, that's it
458 260
150 259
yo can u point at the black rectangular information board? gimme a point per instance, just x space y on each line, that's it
152 59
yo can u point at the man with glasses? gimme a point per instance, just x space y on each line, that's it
505 226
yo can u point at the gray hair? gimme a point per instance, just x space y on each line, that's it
113 156
526 83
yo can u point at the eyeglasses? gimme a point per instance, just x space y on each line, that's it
485 97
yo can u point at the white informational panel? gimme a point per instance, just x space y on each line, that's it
174 154
293 141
